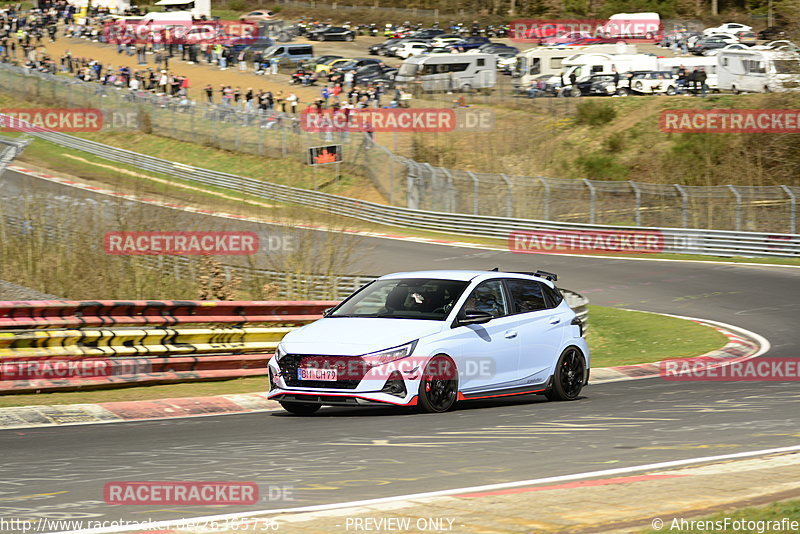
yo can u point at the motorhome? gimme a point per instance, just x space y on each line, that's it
449 72
536 62
758 70
708 63
585 65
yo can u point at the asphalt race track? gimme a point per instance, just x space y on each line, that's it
351 454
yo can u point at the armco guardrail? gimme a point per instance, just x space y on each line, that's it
676 240
70 345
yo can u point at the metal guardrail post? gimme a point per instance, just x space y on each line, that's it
637 214
475 192
738 207
429 185
793 208
592 199
509 196
546 200
684 205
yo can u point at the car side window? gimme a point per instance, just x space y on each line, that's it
488 297
553 296
527 295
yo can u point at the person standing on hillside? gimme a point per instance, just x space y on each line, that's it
209 89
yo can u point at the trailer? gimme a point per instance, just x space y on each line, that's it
758 70
536 62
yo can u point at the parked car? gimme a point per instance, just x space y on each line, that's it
430 339
728 27
332 33
496 48
703 46
321 60
391 49
446 39
428 34
747 37
329 65
377 49
468 43
734 46
772 33
565 38
257 16
355 64
373 74
601 85
410 49
653 82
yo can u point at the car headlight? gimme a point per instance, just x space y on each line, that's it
390 355
279 353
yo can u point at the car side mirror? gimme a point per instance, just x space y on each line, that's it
475 317
326 312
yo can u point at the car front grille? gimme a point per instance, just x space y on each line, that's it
350 370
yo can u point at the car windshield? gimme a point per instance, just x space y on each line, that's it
404 298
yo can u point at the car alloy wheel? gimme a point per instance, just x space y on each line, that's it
439 386
569 376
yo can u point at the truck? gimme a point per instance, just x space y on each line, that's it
758 69
449 72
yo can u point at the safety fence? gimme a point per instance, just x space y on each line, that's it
671 240
70 345
10 148
61 345
405 182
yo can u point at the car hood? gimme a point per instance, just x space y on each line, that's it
353 336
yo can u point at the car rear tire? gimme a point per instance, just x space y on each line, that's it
638 86
671 90
622 91
438 387
569 376
348 38
735 90
300 408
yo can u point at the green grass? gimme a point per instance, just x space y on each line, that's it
622 337
772 512
166 391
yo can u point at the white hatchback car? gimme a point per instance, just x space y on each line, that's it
428 339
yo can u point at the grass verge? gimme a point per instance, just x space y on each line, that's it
617 337
764 515
622 337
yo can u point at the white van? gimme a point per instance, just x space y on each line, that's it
691 63
537 62
758 70
632 26
586 65
449 72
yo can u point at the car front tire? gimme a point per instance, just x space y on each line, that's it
569 376
300 408
438 388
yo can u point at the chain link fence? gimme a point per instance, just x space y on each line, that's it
404 182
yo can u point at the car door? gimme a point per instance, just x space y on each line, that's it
487 355
542 328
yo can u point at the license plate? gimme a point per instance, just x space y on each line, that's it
311 373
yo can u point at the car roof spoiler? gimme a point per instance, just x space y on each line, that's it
541 274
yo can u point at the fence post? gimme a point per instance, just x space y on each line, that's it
475 192
592 199
450 201
509 196
546 201
684 205
793 207
738 207
638 194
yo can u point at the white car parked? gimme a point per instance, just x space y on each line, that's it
407 50
429 339
728 27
